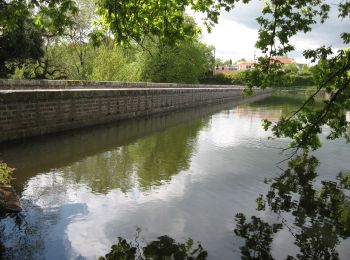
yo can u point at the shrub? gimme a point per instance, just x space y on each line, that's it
224 79
5 173
303 80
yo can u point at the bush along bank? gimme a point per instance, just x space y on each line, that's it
9 202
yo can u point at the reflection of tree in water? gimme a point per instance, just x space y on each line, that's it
161 156
149 161
321 216
24 240
276 105
164 248
258 235
41 224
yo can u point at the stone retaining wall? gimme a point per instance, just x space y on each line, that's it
43 108
6 84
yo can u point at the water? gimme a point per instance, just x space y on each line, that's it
184 175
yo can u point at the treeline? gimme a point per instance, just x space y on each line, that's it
84 50
185 62
72 39
294 76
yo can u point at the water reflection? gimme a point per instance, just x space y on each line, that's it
164 247
43 154
275 106
150 161
180 175
258 237
319 213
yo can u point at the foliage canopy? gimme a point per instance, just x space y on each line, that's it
23 24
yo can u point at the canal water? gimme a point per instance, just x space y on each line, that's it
182 175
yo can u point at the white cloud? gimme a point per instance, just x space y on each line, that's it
235 35
232 40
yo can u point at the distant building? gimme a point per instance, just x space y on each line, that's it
247 65
284 60
225 69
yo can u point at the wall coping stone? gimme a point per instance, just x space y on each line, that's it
12 95
12 84
110 89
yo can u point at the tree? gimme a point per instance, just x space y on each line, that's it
119 67
68 54
23 26
218 62
241 60
135 20
78 39
187 62
19 37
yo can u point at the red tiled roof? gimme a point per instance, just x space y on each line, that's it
284 60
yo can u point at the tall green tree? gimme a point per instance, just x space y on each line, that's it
23 26
186 62
114 63
77 39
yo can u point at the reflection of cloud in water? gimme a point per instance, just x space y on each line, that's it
241 126
86 230
111 186
258 113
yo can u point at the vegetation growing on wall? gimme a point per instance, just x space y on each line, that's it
5 173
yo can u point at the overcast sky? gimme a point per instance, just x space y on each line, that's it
235 35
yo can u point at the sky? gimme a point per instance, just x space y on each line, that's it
235 34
